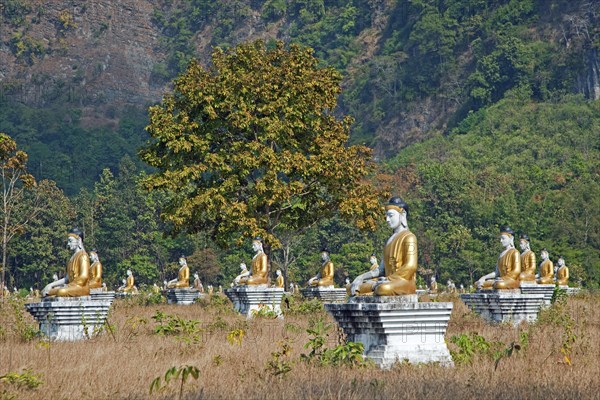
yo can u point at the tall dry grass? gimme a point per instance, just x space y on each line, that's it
122 364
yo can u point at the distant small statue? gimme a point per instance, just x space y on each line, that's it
433 287
546 269
279 282
325 276
562 274
128 284
508 267
183 276
260 266
528 264
76 281
450 286
198 283
95 271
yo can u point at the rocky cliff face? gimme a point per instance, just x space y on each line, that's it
92 53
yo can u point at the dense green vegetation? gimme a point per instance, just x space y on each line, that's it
510 143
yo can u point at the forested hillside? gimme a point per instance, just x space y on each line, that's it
480 112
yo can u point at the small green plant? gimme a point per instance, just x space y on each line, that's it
217 360
316 343
264 311
469 344
23 329
350 353
181 374
304 307
559 295
236 336
26 379
278 365
182 329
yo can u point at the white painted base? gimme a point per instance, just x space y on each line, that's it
327 294
98 294
248 300
69 318
396 328
505 305
534 288
182 296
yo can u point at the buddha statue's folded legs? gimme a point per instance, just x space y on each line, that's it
71 290
256 280
488 285
506 283
396 287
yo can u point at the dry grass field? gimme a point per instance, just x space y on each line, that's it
556 358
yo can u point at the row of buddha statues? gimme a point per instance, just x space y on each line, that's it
395 275
514 268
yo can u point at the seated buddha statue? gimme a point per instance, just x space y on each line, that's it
562 274
528 264
76 281
244 273
546 269
183 276
279 282
260 267
398 271
508 267
128 284
433 288
95 271
325 275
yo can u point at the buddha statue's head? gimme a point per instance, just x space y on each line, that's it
278 272
544 254
561 261
196 276
93 255
396 213
243 267
507 237
524 242
129 273
257 244
182 261
324 254
75 239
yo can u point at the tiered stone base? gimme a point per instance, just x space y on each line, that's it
249 300
327 294
505 305
396 328
534 288
182 296
69 318
98 294
571 290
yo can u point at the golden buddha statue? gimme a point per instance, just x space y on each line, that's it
183 276
260 268
128 284
95 271
76 281
562 274
433 287
279 282
508 267
399 265
325 276
546 269
528 264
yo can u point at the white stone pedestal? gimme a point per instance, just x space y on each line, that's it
505 305
534 288
182 296
250 299
69 318
571 290
396 328
98 294
327 294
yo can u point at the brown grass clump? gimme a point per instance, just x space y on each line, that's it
554 358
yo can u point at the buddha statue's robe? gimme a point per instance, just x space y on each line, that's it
562 276
78 274
129 284
546 273
326 275
279 282
183 278
96 275
400 267
260 271
528 266
433 287
508 269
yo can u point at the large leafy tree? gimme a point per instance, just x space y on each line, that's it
250 146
